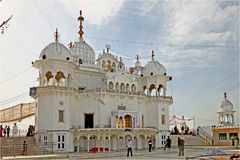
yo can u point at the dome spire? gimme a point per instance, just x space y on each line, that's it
153 55
225 95
137 57
80 19
56 35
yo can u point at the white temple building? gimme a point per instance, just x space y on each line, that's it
86 103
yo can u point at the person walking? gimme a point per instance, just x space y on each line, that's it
168 143
24 151
129 147
181 147
150 144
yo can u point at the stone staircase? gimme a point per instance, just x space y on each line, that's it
13 146
189 140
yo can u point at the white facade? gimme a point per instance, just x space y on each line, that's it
83 104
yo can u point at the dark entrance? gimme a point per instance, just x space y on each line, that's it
88 120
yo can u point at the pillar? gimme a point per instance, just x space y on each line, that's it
78 144
232 118
88 139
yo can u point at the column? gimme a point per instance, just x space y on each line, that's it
124 148
118 143
78 143
232 118
104 142
88 139
98 143
109 140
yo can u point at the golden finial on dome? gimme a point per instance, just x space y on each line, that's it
81 19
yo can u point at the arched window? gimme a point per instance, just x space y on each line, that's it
60 78
49 79
110 85
127 87
128 121
49 75
120 124
117 86
122 86
109 66
133 88
152 89
160 89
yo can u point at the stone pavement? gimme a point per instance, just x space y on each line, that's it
144 154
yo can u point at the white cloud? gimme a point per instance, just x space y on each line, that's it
95 12
201 22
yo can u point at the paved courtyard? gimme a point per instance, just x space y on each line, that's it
156 154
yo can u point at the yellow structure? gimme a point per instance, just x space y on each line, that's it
225 135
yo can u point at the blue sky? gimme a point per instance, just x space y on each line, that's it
197 42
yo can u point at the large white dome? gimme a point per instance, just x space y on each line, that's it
153 68
55 50
81 50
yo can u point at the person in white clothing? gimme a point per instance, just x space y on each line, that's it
129 147
15 130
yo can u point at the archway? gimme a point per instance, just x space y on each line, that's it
75 143
127 121
152 90
83 144
160 90
114 143
49 79
141 142
60 78
92 142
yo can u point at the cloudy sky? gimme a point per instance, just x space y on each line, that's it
197 42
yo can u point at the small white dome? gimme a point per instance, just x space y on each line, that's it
137 64
55 50
81 50
226 106
153 68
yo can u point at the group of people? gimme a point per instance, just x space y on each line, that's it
31 130
168 143
184 131
5 132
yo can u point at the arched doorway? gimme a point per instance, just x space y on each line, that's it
127 121
83 144
114 143
141 142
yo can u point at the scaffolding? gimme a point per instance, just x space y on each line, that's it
17 112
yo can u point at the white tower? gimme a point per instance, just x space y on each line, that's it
154 83
226 112
52 96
